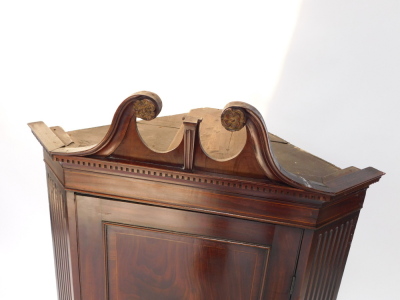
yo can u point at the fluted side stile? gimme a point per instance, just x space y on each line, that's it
60 238
332 249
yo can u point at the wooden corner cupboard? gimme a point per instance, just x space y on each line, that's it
199 206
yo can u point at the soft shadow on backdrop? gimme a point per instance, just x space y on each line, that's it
338 98
324 75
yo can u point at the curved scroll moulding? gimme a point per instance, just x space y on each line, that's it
216 142
145 105
237 114
256 160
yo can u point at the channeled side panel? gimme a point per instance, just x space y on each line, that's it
332 247
59 226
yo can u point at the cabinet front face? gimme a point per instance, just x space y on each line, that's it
135 251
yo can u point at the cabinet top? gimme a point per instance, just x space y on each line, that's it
232 142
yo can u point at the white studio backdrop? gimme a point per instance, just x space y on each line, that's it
324 74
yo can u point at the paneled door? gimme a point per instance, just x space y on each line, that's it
130 251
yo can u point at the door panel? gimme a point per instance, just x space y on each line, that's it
151 264
134 251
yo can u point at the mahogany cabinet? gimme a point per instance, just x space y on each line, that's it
203 205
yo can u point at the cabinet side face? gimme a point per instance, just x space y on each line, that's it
60 234
323 258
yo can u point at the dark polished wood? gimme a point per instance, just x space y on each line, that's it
175 252
150 264
180 208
